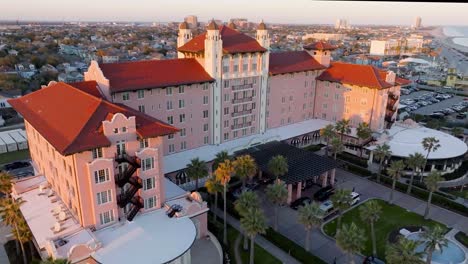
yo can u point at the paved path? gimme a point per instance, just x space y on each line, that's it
236 249
260 240
4 232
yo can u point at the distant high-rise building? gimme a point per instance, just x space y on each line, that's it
417 22
240 22
192 21
342 24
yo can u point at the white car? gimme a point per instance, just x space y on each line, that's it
356 198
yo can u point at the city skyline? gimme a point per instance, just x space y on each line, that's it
378 13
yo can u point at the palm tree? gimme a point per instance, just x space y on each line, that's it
220 157
5 183
395 171
341 201
196 169
429 144
403 252
247 200
414 161
432 184
50 260
343 127
253 223
435 240
351 240
24 235
223 176
370 213
11 214
277 193
310 216
327 133
336 146
382 152
363 132
278 166
245 167
213 186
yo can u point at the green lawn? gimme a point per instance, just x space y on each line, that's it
462 194
14 156
392 218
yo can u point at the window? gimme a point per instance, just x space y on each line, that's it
147 164
348 99
150 202
283 99
337 85
181 89
205 87
205 113
324 116
254 67
116 130
104 197
226 83
225 68
148 184
183 132
304 106
169 91
97 153
181 103
289 120
327 84
282 121
337 96
169 105
205 127
171 148
236 68
182 118
226 123
325 106
170 120
170 136
235 134
226 110
141 94
183 145
226 136
205 99
143 143
364 101
205 140
141 108
106 217
125 96
226 97
101 176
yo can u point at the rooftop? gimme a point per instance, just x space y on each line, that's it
320 45
233 42
52 111
292 61
130 76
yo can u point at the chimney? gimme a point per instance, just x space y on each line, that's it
390 77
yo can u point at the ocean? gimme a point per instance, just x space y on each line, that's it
460 34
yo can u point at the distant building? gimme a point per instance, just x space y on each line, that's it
192 21
342 24
325 36
417 22
385 47
239 22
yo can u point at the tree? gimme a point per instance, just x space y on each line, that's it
434 239
5 183
403 252
253 223
382 152
429 144
457 131
220 157
395 172
363 132
432 184
213 186
277 193
247 200
245 167
11 214
223 176
343 127
278 166
415 162
50 260
24 235
196 169
341 201
310 216
351 240
328 132
370 213
336 146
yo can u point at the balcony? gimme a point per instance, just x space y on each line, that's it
126 197
241 113
390 118
137 202
243 100
242 87
134 164
238 126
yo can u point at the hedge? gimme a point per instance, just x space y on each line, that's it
359 170
352 159
314 148
424 194
458 173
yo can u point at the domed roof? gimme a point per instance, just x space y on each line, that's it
232 25
183 25
261 26
212 26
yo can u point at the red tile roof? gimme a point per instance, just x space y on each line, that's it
90 87
233 42
130 76
292 61
320 45
71 120
355 74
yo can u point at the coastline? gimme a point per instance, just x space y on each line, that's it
438 33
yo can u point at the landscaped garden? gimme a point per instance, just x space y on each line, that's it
392 218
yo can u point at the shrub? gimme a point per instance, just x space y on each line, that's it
314 148
359 170
457 173
353 159
462 238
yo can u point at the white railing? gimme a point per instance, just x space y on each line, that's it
190 186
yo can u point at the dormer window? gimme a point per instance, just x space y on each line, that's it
144 143
124 129
116 130
97 153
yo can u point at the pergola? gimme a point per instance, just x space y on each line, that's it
303 165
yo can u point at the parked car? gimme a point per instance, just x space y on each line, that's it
460 116
248 187
327 207
356 198
437 115
372 260
300 202
324 193
16 165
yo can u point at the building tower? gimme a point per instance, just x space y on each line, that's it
417 22
263 38
213 58
321 52
185 35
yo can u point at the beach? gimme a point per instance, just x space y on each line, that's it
439 34
452 51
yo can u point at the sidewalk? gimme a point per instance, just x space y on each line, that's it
4 231
260 240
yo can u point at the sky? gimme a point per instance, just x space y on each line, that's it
271 11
